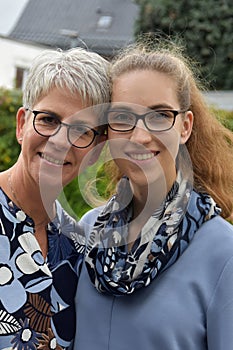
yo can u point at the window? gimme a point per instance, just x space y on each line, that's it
21 75
104 22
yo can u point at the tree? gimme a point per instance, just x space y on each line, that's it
205 27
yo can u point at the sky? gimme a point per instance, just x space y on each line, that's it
10 10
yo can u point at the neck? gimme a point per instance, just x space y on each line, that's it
26 195
147 199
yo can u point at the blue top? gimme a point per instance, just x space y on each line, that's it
188 307
37 295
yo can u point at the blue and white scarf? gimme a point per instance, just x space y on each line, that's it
115 270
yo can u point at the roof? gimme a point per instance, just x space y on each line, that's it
103 25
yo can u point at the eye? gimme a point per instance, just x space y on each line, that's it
121 117
47 119
80 130
165 114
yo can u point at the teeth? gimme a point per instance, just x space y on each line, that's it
52 160
142 156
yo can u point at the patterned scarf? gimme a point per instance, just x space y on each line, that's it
115 270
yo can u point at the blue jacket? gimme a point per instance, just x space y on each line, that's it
188 307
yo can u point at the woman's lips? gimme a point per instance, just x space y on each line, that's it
52 159
142 156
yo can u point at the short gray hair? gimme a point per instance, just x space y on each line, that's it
82 72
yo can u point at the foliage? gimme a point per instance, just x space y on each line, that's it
86 192
10 100
205 28
72 200
224 116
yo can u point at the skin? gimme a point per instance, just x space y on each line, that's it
148 159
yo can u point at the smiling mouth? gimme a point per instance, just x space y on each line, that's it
52 160
143 156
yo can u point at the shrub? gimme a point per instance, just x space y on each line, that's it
10 100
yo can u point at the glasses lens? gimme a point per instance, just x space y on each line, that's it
80 135
46 124
121 120
159 120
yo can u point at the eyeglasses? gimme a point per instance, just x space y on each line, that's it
160 120
48 124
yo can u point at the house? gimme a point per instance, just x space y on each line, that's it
103 26
16 58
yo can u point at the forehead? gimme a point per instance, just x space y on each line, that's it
60 98
69 107
145 87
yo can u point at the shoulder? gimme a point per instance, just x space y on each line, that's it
215 236
91 215
88 219
62 216
218 225
65 223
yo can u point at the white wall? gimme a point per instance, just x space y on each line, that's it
15 54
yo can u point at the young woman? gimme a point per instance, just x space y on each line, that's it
40 257
159 259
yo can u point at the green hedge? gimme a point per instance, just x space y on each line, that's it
72 198
10 100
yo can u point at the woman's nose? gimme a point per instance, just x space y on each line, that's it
60 139
140 133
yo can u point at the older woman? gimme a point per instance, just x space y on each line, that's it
40 256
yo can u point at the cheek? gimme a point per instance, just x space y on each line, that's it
30 139
117 147
170 142
28 130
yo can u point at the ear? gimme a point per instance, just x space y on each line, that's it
20 121
95 152
187 125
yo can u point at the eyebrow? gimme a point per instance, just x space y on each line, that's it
162 106
159 106
47 111
116 107
72 121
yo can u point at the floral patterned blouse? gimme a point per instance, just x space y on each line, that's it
37 295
